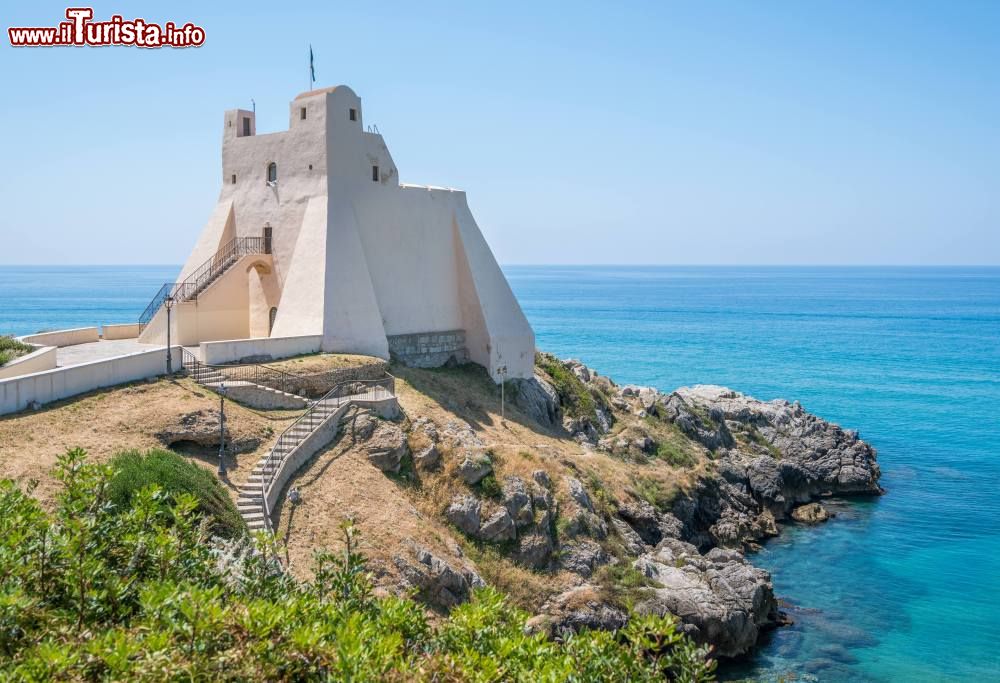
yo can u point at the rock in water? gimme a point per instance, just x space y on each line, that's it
811 513
720 597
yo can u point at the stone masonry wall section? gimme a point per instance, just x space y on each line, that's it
429 349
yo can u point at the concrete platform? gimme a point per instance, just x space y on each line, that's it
101 350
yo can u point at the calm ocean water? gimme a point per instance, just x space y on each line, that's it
903 588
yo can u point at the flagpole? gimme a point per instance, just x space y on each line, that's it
312 70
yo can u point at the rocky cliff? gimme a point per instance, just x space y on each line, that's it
590 502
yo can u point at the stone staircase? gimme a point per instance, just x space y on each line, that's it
213 377
293 447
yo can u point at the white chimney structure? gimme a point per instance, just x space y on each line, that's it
314 235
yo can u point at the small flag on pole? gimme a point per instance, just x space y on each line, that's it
312 68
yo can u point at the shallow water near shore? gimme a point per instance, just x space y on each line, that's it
902 587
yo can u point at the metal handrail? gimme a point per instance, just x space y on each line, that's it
205 274
254 373
339 396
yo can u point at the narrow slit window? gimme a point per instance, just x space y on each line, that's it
375 173
272 172
302 113
353 114
234 179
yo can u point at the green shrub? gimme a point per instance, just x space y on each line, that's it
90 592
675 454
574 396
173 474
489 487
11 348
656 493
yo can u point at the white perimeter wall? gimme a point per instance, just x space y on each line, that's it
276 347
16 393
79 335
40 359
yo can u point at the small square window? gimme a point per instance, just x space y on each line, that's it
302 113
375 173
234 179
354 115
310 167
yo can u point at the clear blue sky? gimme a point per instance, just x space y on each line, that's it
832 132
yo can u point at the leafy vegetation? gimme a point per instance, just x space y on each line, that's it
488 487
93 592
752 435
174 475
658 494
573 393
11 348
675 454
622 582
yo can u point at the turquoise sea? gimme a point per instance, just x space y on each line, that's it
902 588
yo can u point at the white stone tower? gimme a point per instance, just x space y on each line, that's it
313 234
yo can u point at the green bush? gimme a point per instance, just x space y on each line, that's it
173 474
11 348
675 454
94 593
489 487
574 396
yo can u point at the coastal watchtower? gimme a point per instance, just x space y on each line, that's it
313 234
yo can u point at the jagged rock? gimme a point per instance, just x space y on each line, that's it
542 499
581 429
362 426
810 513
580 607
579 494
631 541
541 478
517 500
464 513
498 528
428 458
581 371
721 598
462 436
645 444
427 426
386 446
815 455
474 467
538 399
534 549
651 525
585 523
201 427
437 582
582 557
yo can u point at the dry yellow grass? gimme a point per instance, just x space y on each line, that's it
392 514
109 420
322 362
